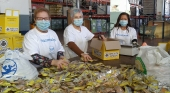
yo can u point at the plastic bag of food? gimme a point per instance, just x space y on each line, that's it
154 61
16 65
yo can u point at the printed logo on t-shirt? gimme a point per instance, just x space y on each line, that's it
47 40
121 35
51 48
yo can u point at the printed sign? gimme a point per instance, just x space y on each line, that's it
111 54
9 68
11 29
3 43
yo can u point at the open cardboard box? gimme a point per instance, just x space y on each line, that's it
105 50
128 50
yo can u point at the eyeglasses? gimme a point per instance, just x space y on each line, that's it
41 18
77 17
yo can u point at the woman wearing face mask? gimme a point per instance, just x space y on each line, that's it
42 43
76 37
123 30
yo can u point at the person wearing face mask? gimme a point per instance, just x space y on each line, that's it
124 31
76 37
42 43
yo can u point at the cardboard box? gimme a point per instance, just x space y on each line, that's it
17 43
5 44
105 50
9 22
163 45
128 50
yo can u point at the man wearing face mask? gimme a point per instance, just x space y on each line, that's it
124 31
76 37
42 43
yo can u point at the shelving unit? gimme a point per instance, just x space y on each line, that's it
89 14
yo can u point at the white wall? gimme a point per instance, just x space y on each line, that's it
159 6
21 5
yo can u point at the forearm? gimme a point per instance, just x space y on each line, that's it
75 48
96 36
41 60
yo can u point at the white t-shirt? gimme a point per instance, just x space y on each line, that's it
126 35
80 38
45 44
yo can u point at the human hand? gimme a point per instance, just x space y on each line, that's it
59 63
85 57
102 37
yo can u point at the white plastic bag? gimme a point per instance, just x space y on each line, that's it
16 65
154 61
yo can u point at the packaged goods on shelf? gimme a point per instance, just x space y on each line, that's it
56 24
101 10
99 25
93 26
104 25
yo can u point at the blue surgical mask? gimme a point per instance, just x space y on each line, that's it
78 22
123 22
43 25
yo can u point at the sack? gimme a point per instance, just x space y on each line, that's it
154 61
16 65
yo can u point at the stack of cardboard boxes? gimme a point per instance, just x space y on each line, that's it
10 38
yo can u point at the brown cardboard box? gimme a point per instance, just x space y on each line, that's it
105 50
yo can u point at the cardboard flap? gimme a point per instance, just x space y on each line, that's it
109 45
95 43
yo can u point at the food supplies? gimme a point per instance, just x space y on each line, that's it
83 77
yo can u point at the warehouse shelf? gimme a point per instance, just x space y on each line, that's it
36 1
59 3
89 14
57 16
88 10
98 16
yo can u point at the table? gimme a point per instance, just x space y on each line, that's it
128 60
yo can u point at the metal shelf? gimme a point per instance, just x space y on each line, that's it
57 16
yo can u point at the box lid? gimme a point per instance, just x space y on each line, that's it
110 44
95 43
